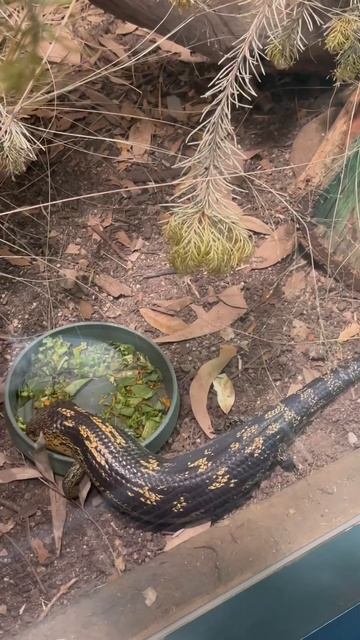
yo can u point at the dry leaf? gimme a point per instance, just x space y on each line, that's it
11 258
161 321
112 286
86 309
225 392
294 388
114 46
68 279
234 297
73 249
140 138
309 374
3 609
123 237
123 28
64 50
58 514
42 460
2 458
219 317
184 535
176 304
5 527
104 102
309 139
294 285
275 248
184 54
39 549
18 473
120 565
200 386
349 332
150 596
300 329
254 224
84 488
227 334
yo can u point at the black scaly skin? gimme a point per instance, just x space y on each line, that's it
205 484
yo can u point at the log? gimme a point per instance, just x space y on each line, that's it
210 33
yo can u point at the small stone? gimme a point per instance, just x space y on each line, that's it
353 439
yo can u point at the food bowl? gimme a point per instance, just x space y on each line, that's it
106 333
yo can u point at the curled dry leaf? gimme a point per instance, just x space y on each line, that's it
275 248
219 317
233 296
161 321
294 285
200 386
14 260
309 374
300 329
114 46
120 564
254 224
176 304
86 309
140 138
113 287
185 534
123 237
2 458
42 460
73 249
58 513
350 331
84 488
39 549
5 527
150 596
294 388
18 473
225 392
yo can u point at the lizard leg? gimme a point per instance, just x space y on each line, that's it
72 479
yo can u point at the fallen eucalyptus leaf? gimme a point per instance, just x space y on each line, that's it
219 317
234 297
200 386
185 534
176 304
18 473
161 321
39 549
113 287
275 248
349 332
225 392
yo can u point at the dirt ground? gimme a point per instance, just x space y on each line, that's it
281 340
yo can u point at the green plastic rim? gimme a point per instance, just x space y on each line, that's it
105 332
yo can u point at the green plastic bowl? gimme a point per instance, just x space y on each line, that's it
105 332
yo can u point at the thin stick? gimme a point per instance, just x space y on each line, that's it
64 589
96 228
31 568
